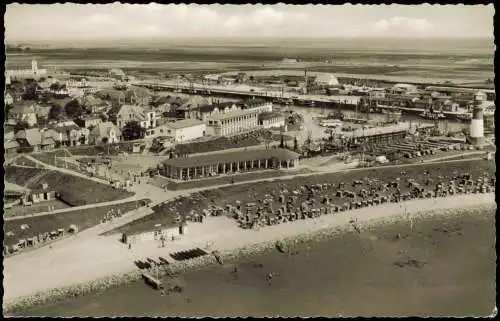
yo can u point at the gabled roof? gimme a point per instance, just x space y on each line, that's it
10 144
184 123
103 129
136 111
110 94
24 107
64 129
235 156
32 135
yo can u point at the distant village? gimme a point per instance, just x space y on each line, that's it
46 111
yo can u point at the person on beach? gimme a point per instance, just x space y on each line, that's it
130 246
269 278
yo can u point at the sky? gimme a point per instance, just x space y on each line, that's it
122 21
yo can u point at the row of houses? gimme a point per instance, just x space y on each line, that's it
62 134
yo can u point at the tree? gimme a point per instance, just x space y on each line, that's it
73 109
133 130
56 112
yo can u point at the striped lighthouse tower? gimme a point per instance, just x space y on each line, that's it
477 122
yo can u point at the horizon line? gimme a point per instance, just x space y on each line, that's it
17 41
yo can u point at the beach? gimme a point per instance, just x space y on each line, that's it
339 275
72 262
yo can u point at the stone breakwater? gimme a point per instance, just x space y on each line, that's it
62 294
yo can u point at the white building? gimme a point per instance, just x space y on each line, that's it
26 73
127 113
271 120
185 130
233 122
24 112
105 133
258 105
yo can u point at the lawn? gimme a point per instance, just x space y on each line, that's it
24 161
74 190
252 192
21 175
48 157
21 210
83 219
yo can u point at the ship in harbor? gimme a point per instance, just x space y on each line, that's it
464 116
432 115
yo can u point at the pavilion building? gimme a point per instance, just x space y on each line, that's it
202 166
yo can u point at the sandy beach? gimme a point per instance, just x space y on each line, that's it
77 261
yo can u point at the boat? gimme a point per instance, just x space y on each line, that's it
391 112
432 115
330 123
464 116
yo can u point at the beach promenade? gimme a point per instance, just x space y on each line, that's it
84 259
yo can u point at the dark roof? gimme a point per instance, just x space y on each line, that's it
63 129
270 115
254 102
242 155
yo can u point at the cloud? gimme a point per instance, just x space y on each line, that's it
402 24
268 15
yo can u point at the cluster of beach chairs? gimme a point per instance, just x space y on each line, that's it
310 201
111 214
34 241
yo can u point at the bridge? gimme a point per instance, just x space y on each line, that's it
193 88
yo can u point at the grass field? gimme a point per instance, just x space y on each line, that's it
74 190
252 192
83 219
34 208
48 157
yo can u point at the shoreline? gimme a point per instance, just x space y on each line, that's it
62 294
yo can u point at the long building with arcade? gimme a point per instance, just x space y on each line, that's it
203 166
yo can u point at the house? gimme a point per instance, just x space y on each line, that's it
115 97
105 132
31 137
42 112
8 99
186 129
271 120
24 112
145 117
189 108
59 90
449 105
88 121
208 111
117 74
41 194
71 135
138 96
48 142
94 104
10 146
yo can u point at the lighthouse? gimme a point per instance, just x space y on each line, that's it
477 122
